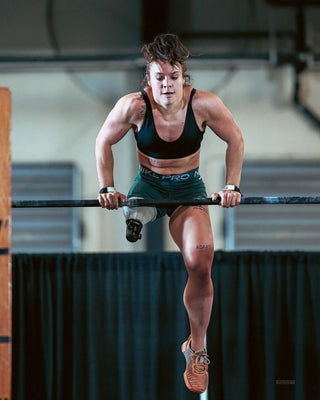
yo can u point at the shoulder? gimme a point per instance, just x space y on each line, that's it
130 107
130 102
207 105
206 100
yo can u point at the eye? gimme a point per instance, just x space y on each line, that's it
174 78
159 78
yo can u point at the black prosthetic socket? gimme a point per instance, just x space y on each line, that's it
134 227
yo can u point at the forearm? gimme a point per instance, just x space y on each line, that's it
105 164
234 159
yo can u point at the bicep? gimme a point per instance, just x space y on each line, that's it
113 130
115 126
222 123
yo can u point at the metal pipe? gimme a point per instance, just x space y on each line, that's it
164 203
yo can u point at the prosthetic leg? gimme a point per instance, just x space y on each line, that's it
136 217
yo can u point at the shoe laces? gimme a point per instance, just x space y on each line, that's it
200 361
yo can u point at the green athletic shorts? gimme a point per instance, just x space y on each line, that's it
150 185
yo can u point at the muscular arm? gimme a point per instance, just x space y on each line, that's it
234 153
113 130
222 123
118 123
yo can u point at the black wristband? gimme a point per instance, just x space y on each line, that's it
233 187
107 189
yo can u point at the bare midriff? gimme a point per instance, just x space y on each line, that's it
170 166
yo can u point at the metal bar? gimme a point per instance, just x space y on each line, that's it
164 203
5 246
234 34
217 61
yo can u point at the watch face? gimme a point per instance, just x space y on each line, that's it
232 187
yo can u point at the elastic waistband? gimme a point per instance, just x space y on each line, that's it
185 176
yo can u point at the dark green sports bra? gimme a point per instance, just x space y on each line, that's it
150 143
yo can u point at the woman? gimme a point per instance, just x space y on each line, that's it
169 118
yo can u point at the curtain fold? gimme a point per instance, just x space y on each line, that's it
110 326
98 326
264 336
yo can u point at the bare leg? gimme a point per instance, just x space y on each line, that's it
190 228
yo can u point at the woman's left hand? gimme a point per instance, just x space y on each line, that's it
229 198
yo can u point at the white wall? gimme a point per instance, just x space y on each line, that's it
260 101
56 117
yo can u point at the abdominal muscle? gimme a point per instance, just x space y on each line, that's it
169 166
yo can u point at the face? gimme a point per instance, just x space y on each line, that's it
166 82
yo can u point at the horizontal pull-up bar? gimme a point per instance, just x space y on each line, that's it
164 203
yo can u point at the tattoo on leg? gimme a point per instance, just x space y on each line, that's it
203 246
203 208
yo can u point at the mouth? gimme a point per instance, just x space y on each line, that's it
168 93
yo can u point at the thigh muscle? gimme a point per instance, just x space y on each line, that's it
190 228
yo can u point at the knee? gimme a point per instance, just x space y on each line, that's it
199 264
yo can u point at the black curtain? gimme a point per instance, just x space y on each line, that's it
264 337
98 327
110 326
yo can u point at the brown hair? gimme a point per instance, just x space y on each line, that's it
166 48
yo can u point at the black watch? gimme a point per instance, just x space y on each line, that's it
233 187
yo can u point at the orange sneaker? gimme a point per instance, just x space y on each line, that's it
196 375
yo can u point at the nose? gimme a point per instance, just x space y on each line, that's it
166 82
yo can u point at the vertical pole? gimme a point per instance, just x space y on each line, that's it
155 18
5 243
204 395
